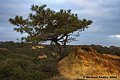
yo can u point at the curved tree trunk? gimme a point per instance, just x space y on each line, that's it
60 50
65 41
51 45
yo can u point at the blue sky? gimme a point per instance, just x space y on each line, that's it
105 15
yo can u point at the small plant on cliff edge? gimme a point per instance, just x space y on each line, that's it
45 24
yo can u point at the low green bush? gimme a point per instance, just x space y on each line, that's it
4 52
18 70
49 67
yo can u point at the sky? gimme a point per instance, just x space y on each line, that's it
105 14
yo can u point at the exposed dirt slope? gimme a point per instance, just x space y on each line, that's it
85 61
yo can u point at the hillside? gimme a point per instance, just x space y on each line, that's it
86 62
20 61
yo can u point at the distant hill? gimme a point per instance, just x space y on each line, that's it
105 50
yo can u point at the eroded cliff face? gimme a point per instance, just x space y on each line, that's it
85 61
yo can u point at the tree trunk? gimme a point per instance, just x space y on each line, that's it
65 41
60 50
51 45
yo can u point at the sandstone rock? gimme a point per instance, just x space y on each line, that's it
4 49
41 57
85 61
38 46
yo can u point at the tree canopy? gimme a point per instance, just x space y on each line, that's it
44 24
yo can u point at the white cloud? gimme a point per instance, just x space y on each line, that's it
118 36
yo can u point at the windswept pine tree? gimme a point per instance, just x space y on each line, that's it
44 24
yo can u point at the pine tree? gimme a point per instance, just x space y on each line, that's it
44 24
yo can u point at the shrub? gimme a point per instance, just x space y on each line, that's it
49 67
18 70
4 52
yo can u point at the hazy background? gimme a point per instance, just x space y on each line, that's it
105 14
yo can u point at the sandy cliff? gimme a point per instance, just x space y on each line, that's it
87 62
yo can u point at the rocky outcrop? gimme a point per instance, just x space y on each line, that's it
85 61
37 47
5 49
